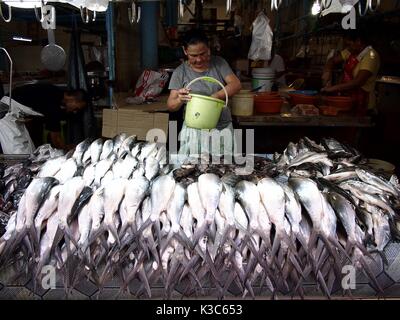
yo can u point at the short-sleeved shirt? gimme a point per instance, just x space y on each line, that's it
278 65
44 98
219 69
370 62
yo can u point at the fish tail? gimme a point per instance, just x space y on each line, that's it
145 281
170 277
185 241
189 266
322 282
166 243
333 253
199 234
113 229
275 246
144 226
123 229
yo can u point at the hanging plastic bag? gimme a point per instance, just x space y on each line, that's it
261 43
149 85
14 137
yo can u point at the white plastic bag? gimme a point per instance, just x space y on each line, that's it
14 137
261 43
150 84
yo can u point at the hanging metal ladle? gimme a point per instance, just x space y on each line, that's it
53 56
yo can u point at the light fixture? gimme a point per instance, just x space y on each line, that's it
24 4
316 8
16 38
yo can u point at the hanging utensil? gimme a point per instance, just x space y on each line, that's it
9 14
228 7
371 7
181 8
360 10
52 56
132 13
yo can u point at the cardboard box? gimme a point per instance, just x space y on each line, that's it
136 119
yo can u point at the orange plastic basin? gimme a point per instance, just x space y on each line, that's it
268 105
297 98
342 103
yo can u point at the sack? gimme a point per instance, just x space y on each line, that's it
14 137
150 84
261 43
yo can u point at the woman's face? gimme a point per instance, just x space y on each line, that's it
198 55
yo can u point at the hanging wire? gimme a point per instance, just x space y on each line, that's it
11 73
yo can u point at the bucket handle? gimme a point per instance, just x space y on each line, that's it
212 80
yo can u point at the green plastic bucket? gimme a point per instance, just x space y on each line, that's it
203 112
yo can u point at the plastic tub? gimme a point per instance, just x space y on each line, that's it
297 98
381 165
264 78
243 103
268 106
203 112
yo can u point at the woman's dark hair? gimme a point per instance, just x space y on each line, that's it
194 36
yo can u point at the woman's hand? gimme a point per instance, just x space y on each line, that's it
184 95
177 98
329 89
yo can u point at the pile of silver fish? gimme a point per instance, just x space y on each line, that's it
15 176
116 209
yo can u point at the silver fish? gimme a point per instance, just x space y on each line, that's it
210 189
107 150
161 191
80 149
51 167
136 190
377 182
118 140
113 194
249 197
89 174
67 171
127 145
151 167
95 150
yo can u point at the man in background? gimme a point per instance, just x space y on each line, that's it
56 105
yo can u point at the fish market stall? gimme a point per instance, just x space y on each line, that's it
115 218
